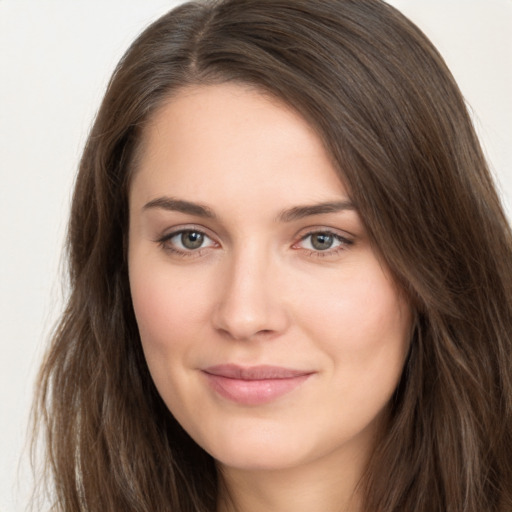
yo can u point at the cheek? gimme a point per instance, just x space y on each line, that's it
170 312
364 329
362 321
169 309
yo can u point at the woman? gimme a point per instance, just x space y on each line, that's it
290 276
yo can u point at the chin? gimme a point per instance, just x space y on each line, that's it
263 450
268 459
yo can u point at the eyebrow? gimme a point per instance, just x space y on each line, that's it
289 215
178 205
299 212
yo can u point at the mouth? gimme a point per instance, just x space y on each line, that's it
256 385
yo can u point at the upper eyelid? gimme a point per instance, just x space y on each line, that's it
332 233
342 233
176 230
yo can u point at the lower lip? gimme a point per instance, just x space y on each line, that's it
254 392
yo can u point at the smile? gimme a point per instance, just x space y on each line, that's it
255 385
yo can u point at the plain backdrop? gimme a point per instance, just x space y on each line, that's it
55 60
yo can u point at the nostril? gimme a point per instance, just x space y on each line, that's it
240 335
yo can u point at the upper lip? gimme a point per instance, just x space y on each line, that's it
262 372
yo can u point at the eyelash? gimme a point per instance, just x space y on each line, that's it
344 243
164 243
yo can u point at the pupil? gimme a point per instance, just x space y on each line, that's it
192 239
322 241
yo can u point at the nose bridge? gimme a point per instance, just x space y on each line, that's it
247 302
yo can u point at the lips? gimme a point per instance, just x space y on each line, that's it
254 385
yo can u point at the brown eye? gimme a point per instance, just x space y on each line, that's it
192 239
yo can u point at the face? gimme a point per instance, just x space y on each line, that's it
270 327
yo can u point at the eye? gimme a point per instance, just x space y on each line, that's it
186 241
189 239
323 242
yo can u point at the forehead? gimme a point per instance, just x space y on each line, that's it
223 141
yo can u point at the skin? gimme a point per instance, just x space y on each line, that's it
259 291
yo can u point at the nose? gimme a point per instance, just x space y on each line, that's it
250 299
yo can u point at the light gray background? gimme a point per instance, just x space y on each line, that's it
55 60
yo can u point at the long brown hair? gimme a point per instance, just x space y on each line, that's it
397 129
